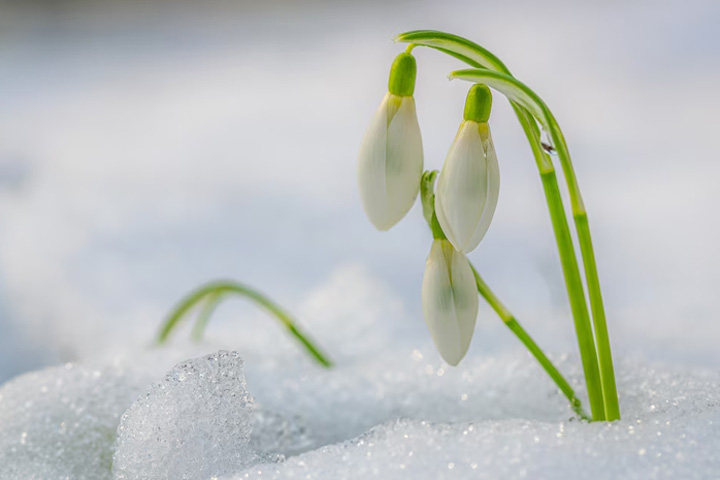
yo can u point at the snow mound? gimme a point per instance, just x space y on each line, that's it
670 429
330 406
60 422
400 414
275 436
511 449
194 424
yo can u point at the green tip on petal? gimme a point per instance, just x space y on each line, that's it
402 75
478 104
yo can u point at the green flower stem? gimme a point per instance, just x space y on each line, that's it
528 106
222 288
211 302
573 282
512 323
576 294
602 338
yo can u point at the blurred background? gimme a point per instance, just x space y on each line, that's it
147 147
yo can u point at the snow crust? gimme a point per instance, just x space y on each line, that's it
670 430
194 424
398 415
60 422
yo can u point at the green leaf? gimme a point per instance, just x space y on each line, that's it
458 47
214 292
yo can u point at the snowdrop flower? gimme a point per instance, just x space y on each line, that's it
390 162
469 183
450 300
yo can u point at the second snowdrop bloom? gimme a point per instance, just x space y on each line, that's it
390 162
469 183
449 300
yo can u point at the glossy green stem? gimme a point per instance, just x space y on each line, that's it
512 323
571 270
602 338
576 294
221 289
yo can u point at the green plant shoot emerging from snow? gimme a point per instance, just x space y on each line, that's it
459 212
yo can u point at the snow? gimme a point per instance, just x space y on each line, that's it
389 409
196 423
671 429
143 146
60 422
512 449
392 415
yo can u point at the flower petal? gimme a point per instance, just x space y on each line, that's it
460 197
404 161
449 301
493 186
390 162
371 167
468 187
465 295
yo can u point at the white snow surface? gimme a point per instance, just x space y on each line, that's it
60 422
193 424
401 414
670 430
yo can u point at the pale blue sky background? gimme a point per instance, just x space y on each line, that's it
151 147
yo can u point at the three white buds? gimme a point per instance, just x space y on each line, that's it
390 169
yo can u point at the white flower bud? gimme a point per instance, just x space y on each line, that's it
468 186
390 162
450 300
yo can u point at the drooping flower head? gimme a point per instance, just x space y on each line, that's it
449 295
469 183
390 161
449 300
